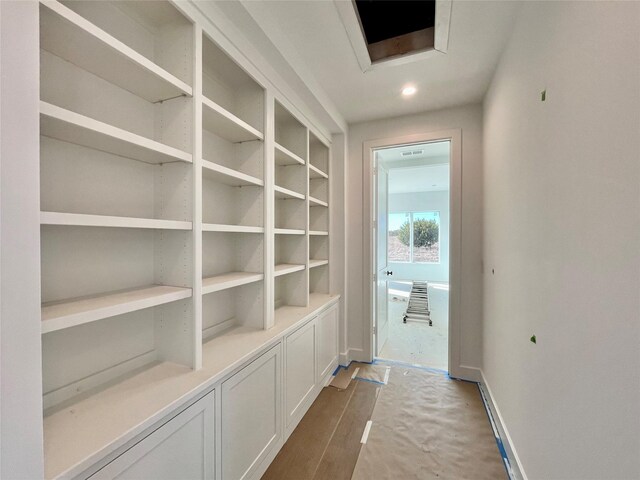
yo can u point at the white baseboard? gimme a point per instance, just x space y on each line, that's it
463 372
517 471
352 354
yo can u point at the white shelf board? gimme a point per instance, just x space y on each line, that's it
78 311
285 193
288 231
317 263
286 268
318 233
225 124
284 156
315 172
68 35
218 227
84 220
229 280
228 176
317 202
68 126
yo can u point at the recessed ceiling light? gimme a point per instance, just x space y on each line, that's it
408 91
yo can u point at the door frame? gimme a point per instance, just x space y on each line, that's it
454 136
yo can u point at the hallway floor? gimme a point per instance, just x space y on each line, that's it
417 342
424 425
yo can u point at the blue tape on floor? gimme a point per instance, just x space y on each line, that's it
369 380
499 442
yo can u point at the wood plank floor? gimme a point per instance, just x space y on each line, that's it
326 442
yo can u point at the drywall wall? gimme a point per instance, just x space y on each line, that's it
562 232
424 202
20 359
469 120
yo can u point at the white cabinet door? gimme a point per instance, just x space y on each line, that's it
300 371
182 448
251 421
327 332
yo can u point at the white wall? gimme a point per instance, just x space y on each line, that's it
562 231
424 202
469 120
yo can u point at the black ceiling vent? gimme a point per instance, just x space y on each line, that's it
395 28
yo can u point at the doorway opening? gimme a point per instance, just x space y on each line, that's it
412 222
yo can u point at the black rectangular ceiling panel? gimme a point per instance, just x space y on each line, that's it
385 19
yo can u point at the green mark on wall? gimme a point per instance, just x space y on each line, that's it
543 95
533 339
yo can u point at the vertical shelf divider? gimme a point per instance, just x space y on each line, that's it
269 209
308 214
197 198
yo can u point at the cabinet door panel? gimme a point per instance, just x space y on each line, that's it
300 369
181 448
251 416
327 328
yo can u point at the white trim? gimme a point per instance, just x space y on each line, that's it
502 428
455 241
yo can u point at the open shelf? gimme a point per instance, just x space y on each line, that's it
318 156
284 156
70 36
216 227
229 280
225 124
288 231
290 135
315 172
285 193
286 268
228 176
83 220
318 233
70 313
317 202
68 126
317 263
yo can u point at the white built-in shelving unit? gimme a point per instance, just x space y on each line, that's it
182 207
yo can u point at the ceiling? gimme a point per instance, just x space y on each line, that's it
425 178
312 37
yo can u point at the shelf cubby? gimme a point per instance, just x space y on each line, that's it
230 258
291 180
290 213
318 155
233 201
285 157
290 137
234 105
319 190
315 172
143 47
318 217
319 278
291 288
242 305
318 248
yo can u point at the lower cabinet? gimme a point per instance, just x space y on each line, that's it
181 448
327 332
251 421
299 372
